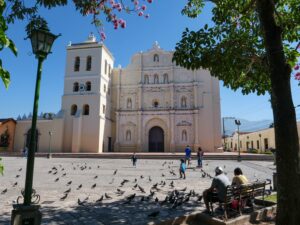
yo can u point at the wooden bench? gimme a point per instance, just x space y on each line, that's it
241 195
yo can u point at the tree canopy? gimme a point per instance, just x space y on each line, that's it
233 48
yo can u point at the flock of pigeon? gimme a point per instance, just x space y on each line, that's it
173 199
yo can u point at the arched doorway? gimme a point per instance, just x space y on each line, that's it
36 139
156 139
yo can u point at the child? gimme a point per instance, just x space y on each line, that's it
200 157
182 168
133 159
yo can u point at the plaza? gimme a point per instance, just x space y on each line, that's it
114 210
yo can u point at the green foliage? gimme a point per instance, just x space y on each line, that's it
1 167
36 22
233 49
5 42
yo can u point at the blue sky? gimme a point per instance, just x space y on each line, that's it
165 25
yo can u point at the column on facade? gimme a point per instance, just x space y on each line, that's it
196 95
196 129
140 132
117 142
172 131
76 133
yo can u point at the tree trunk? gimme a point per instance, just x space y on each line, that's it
286 135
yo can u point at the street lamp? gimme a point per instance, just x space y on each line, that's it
238 123
50 134
224 131
41 41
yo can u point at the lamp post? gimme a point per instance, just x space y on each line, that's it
50 134
41 41
238 123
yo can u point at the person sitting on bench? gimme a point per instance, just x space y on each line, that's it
239 178
217 190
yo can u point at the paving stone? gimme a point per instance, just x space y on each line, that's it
111 211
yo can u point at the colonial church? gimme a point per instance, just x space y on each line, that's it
150 106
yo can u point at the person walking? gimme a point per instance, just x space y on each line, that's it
134 159
188 154
200 154
182 168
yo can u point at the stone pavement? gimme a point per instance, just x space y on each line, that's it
115 210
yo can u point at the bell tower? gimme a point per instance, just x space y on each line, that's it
85 102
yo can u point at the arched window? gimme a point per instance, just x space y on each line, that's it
129 103
86 110
75 87
104 88
166 78
155 58
146 79
88 86
73 110
77 63
183 102
156 80
184 135
155 103
128 135
89 63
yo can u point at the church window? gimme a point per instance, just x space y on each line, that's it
109 70
184 135
103 109
128 135
89 63
105 67
75 87
86 110
104 88
155 58
183 102
156 80
155 103
129 103
73 110
77 64
166 78
88 86
146 79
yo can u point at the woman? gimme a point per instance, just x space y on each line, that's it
239 178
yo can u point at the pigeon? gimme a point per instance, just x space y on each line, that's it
67 191
15 184
156 199
80 186
115 172
64 197
154 214
64 174
135 180
130 197
162 175
95 177
142 198
98 167
50 171
184 189
107 196
172 184
186 199
90 168
142 176
94 185
199 198
57 179
135 186
20 169
70 182
151 193
54 168
100 199
17 175
150 179
62 169
54 173
80 202
124 181
141 189
4 191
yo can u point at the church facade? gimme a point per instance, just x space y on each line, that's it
152 105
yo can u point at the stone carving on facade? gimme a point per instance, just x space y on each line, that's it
184 123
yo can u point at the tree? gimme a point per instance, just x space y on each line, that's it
100 10
251 46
